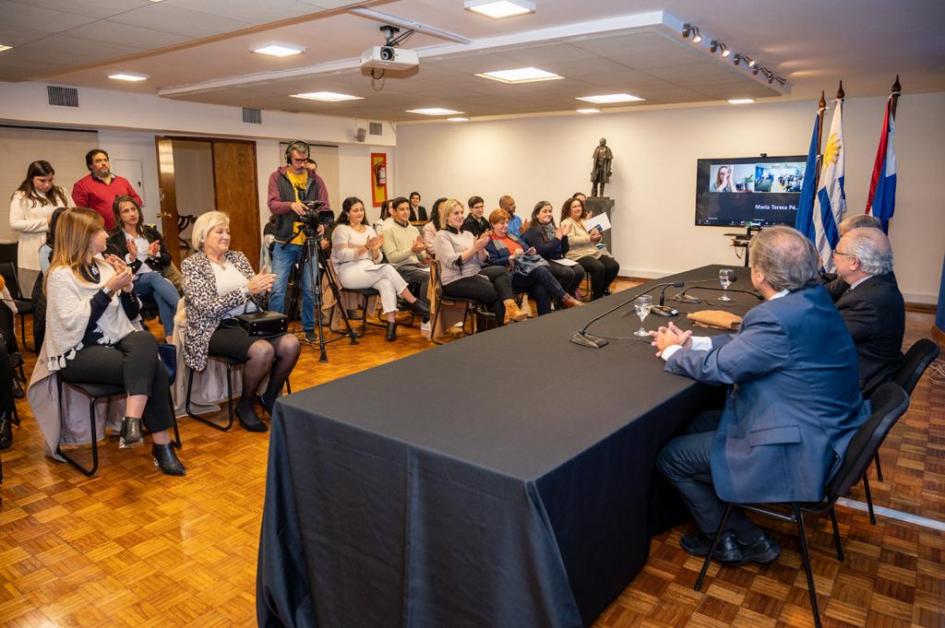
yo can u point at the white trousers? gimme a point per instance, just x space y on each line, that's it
366 274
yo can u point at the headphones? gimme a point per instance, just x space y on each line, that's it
298 146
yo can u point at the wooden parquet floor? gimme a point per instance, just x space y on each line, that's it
133 547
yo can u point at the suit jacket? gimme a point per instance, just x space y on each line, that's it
795 400
875 315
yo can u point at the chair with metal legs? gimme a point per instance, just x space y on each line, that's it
219 425
890 402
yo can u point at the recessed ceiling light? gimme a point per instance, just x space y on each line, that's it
741 101
521 75
500 8
609 99
458 119
129 76
435 111
327 96
5 47
278 50
588 110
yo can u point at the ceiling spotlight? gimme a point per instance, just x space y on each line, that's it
5 47
738 58
725 51
499 8
714 46
751 62
780 80
754 69
697 36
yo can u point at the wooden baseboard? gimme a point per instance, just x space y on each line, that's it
938 336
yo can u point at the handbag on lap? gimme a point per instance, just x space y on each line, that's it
262 322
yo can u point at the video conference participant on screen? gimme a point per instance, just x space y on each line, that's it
723 180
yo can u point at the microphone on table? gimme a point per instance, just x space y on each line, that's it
581 337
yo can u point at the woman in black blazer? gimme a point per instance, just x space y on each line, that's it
142 248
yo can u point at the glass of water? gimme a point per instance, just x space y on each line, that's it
726 276
642 307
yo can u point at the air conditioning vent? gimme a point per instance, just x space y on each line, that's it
375 128
252 116
62 96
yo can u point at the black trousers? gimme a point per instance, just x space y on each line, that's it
570 277
603 271
418 278
481 288
541 285
133 363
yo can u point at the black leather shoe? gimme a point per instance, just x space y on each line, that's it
727 551
250 421
391 332
130 435
421 308
763 551
165 459
6 431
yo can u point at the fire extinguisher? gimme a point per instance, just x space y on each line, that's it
380 174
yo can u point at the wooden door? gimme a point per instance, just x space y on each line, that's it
237 194
168 194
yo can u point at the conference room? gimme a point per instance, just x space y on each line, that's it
425 426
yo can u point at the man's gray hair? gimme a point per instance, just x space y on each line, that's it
858 221
786 257
871 247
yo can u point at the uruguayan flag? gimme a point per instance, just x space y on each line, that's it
831 202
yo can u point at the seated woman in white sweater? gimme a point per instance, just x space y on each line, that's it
356 254
586 248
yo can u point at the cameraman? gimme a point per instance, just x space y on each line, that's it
290 187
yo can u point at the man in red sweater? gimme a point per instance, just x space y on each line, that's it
98 189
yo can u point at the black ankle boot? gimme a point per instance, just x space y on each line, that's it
421 308
130 435
165 459
6 430
391 331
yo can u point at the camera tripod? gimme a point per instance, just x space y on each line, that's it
315 262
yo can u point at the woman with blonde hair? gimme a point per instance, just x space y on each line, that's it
463 272
90 338
219 284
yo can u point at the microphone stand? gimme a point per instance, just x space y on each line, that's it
584 339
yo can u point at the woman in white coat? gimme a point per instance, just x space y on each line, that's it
30 207
356 255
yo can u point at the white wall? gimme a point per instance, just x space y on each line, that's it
128 124
655 155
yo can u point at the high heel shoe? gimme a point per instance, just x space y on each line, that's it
165 459
249 420
391 331
130 435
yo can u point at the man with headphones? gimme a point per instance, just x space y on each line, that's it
290 186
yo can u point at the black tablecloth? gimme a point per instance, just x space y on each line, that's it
506 479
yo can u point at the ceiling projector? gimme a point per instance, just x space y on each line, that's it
389 58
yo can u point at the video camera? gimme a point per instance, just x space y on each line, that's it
316 215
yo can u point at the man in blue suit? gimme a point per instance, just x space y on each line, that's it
793 406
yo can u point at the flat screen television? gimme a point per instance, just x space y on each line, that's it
764 191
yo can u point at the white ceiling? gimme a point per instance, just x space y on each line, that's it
199 50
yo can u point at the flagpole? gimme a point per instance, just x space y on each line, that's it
821 112
896 91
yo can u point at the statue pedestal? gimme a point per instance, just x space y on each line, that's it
602 205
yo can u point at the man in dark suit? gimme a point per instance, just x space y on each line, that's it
870 303
793 407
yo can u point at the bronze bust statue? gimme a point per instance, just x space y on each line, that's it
601 172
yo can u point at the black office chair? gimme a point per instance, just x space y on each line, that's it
918 358
230 364
95 392
23 305
890 402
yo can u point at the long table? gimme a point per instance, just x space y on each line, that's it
506 479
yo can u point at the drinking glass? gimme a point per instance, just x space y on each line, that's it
642 307
726 276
